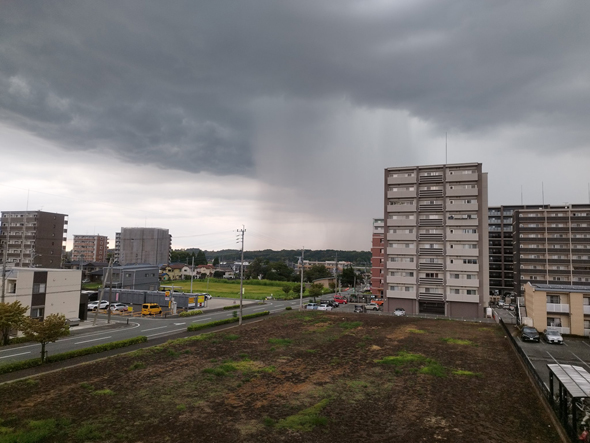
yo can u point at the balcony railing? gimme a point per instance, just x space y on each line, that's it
555 307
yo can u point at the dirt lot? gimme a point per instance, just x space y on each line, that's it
300 377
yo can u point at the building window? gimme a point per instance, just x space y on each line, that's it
38 288
37 312
554 321
554 299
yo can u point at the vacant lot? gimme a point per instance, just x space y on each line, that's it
231 289
300 377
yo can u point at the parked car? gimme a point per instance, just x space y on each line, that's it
552 336
530 334
372 307
150 309
512 306
358 308
311 306
207 296
399 312
324 307
92 306
121 307
500 303
340 299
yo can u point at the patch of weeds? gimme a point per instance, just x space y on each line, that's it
335 361
280 341
243 356
434 368
86 385
484 329
273 349
416 331
467 373
104 392
137 365
186 351
88 432
312 351
355 384
268 422
456 341
268 369
37 431
351 324
305 420
31 382
288 308
173 353
231 337
180 407
402 358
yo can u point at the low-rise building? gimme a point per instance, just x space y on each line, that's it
563 307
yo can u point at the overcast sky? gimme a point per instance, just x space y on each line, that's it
281 116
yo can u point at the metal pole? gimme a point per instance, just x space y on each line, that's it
110 295
301 288
192 273
241 275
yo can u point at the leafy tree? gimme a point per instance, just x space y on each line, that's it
218 274
255 269
332 285
12 316
200 259
45 331
315 290
216 261
279 271
286 289
347 277
315 272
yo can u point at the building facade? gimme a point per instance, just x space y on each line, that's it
32 239
551 246
90 248
436 238
142 246
377 257
562 307
45 291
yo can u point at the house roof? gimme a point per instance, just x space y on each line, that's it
561 288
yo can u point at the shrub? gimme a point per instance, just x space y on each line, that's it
190 313
198 327
227 308
288 308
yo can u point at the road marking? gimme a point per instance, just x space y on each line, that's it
276 310
582 342
94 339
14 355
552 357
294 302
583 362
19 348
168 332
178 324
151 329
201 319
259 309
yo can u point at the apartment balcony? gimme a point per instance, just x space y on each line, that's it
458 265
463 298
401 208
424 266
464 283
430 179
561 308
437 207
400 180
431 296
462 237
401 222
430 281
430 222
401 194
401 294
401 251
462 207
470 192
586 332
401 280
586 309
430 251
458 176
462 252
433 237
402 236
561 330
401 265
430 193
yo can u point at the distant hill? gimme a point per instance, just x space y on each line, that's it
358 258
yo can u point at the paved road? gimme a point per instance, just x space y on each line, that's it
124 328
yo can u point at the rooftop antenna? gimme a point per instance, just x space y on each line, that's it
543 193
588 193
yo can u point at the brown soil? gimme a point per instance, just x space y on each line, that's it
240 385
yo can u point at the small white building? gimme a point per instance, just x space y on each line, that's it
45 291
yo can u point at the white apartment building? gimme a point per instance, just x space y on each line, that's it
436 239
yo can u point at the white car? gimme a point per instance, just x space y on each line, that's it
121 307
324 307
552 336
311 306
399 312
92 306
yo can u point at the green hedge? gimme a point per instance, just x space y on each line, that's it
17 366
190 313
231 307
197 327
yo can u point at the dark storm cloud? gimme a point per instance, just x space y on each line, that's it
174 83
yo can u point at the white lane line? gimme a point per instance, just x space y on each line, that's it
201 319
178 324
94 339
14 355
583 362
259 309
294 302
582 342
152 329
19 348
168 332
276 310
552 357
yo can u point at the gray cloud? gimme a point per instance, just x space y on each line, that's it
178 84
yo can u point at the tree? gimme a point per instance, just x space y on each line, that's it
216 261
286 289
201 259
315 272
332 285
347 277
45 331
315 290
12 316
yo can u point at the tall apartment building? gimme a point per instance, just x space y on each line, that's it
552 246
437 239
142 246
32 238
377 257
90 248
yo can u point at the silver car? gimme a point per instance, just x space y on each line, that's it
552 336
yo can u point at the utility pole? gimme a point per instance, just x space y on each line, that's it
104 279
110 293
4 270
192 273
301 288
241 234
336 274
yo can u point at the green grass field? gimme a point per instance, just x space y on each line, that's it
231 289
